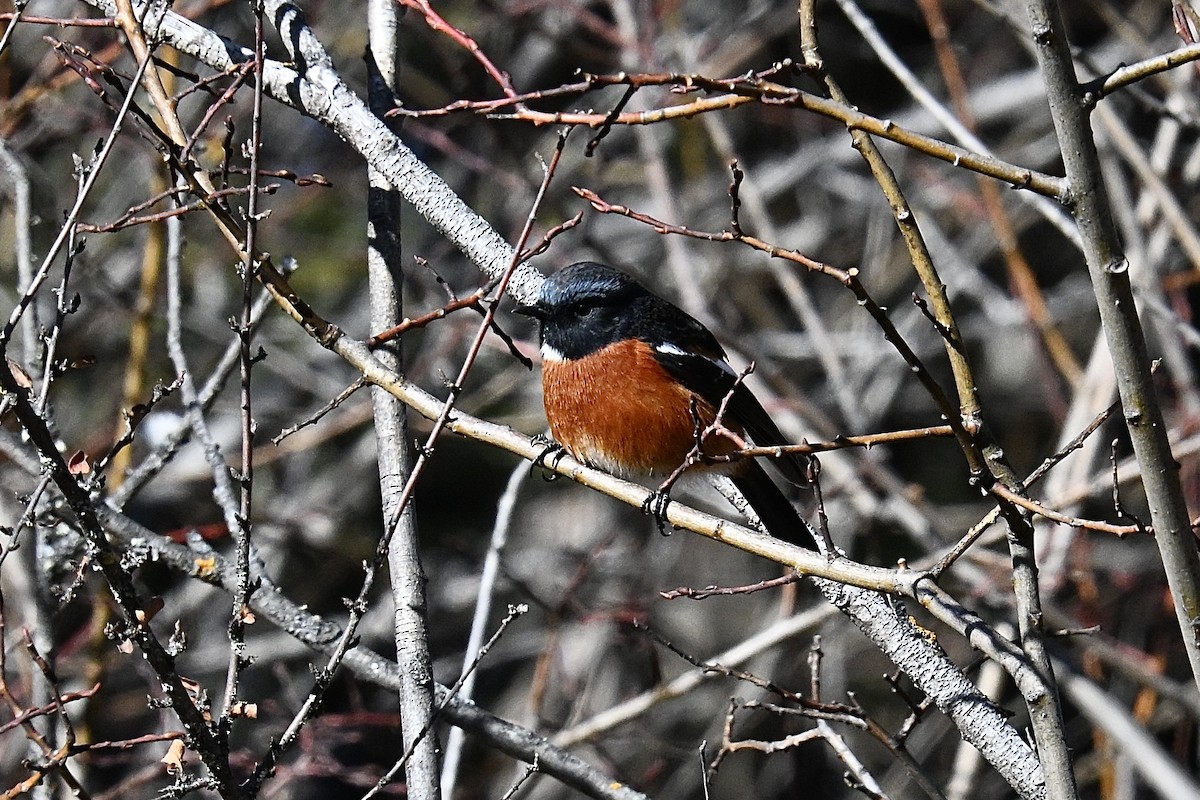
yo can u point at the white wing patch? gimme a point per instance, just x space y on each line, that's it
675 350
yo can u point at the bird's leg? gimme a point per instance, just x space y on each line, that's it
548 459
656 503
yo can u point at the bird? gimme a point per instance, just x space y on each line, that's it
626 376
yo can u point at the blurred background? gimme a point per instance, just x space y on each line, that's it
587 566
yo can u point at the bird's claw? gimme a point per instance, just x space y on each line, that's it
548 459
655 505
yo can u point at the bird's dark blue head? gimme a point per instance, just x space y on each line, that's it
586 283
588 306
583 308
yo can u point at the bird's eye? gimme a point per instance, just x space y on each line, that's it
584 311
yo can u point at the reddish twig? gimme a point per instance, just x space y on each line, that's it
723 591
849 279
439 24
1004 493
61 22
550 235
240 76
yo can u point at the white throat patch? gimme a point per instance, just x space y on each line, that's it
550 354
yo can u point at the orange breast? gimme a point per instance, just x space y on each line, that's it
619 410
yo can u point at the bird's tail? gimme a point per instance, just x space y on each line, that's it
777 514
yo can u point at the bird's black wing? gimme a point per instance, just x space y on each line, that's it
773 509
711 379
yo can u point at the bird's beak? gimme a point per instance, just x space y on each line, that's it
535 311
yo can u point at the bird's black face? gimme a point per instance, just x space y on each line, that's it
584 308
